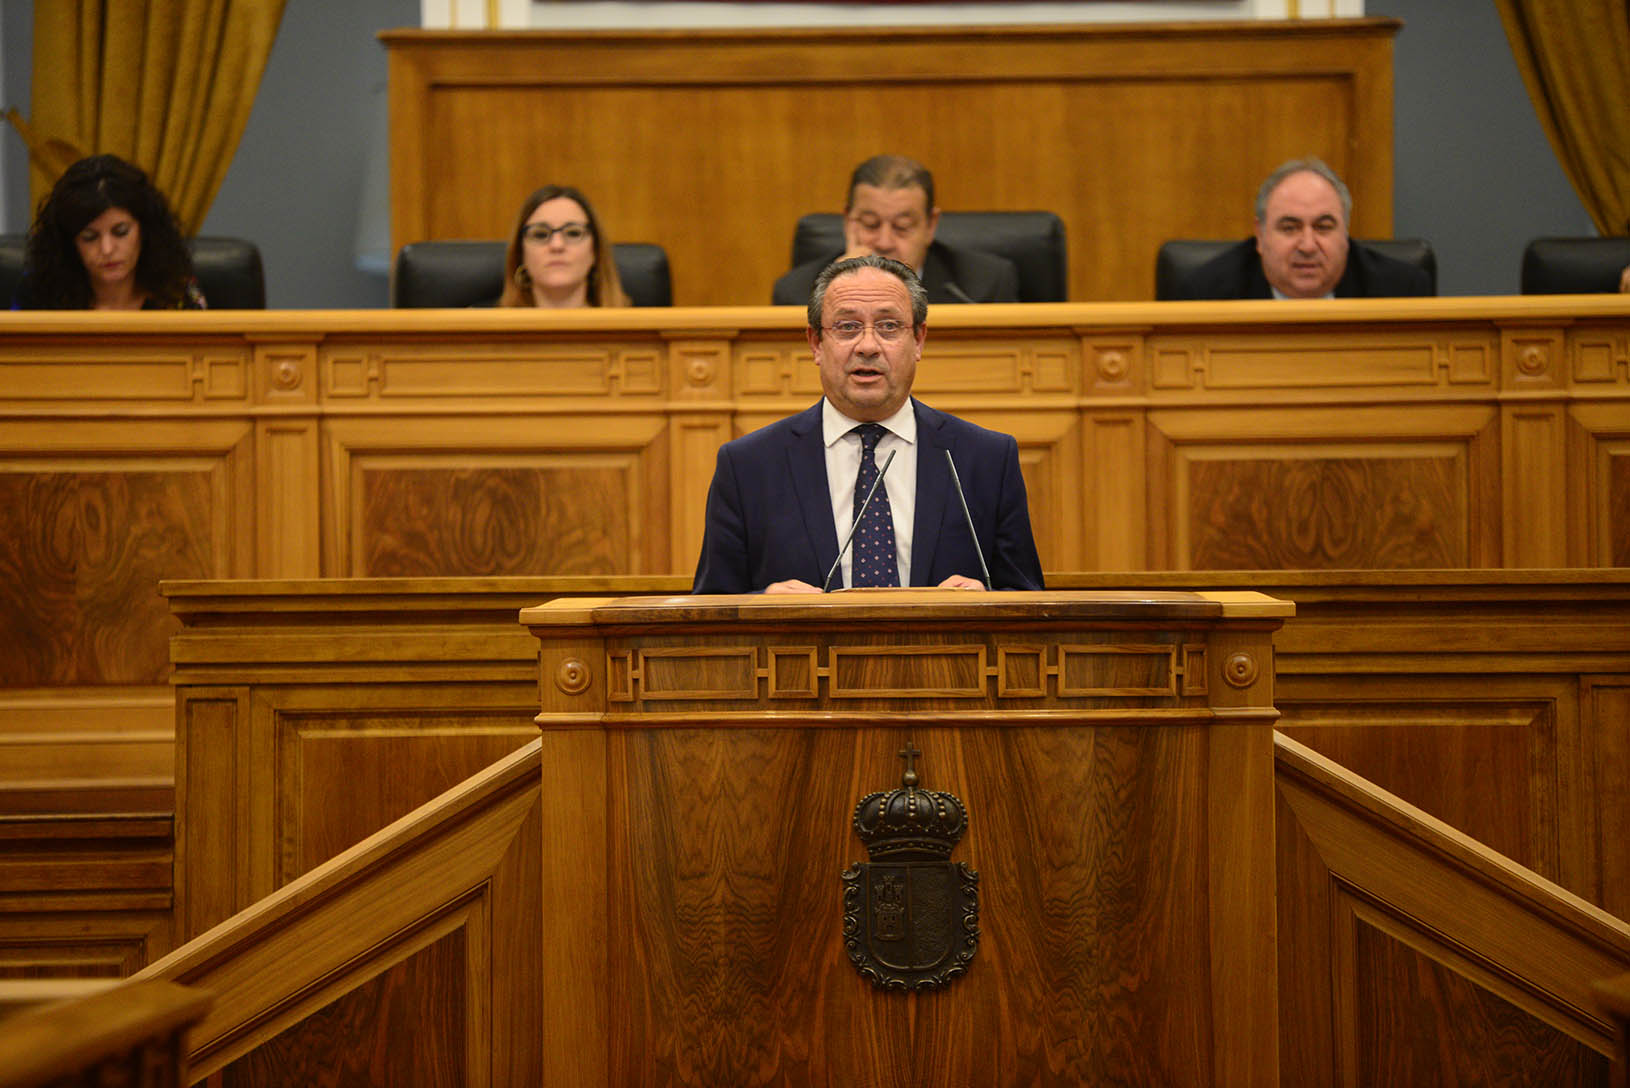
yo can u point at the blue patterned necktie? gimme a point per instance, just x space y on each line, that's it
874 563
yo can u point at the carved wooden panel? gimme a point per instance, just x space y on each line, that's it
82 551
1302 511
407 1025
584 495
1077 873
926 673
1421 1022
537 519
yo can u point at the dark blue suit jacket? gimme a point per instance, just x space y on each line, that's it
769 510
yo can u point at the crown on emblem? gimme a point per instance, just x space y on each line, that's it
910 823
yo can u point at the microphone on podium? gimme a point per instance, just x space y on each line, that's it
963 499
887 461
956 292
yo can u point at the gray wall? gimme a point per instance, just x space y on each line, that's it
1472 170
1475 174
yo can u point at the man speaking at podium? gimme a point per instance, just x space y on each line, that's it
868 470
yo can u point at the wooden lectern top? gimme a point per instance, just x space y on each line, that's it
907 604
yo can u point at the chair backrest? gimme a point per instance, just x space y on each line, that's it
1033 241
229 273
1574 266
1180 257
456 273
228 269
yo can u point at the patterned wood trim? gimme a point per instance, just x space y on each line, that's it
906 672
735 673
164 373
1161 662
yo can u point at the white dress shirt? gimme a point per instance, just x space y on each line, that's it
843 466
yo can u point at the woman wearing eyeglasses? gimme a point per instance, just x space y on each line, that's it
558 256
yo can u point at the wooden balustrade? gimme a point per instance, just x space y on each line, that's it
1411 954
67 1032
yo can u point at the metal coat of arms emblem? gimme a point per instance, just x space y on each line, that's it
910 914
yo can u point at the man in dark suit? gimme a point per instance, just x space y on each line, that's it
1301 248
890 212
784 497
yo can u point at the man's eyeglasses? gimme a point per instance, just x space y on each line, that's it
540 233
886 329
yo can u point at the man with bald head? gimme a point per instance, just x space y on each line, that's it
784 498
1301 248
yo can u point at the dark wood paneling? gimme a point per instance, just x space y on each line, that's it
1420 1023
481 520
731 949
81 556
1497 783
405 1026
350 775
1328 514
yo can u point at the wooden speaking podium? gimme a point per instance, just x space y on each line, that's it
703 758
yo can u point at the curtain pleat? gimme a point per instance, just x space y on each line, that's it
167 84
1574 56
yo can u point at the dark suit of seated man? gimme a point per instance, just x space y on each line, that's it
890 212
783 497
1301 248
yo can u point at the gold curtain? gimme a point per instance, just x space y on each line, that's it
1574 56
167 84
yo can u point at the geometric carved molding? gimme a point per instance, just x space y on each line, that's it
923 671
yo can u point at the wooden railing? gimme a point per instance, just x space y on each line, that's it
1409 953
59 1033
411 958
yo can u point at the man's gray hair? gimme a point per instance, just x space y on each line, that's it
902 272
1308 165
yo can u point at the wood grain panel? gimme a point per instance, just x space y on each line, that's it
1446 758
487 520
1197 113
1302 511
717 904
346 776
407 1025
1420 1023
81 556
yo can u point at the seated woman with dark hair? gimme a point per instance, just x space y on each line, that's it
105 240
558 256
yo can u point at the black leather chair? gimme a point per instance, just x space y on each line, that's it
1574 266
454 274
1033 241
228 269
1179 257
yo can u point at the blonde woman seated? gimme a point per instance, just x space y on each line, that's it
558 256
